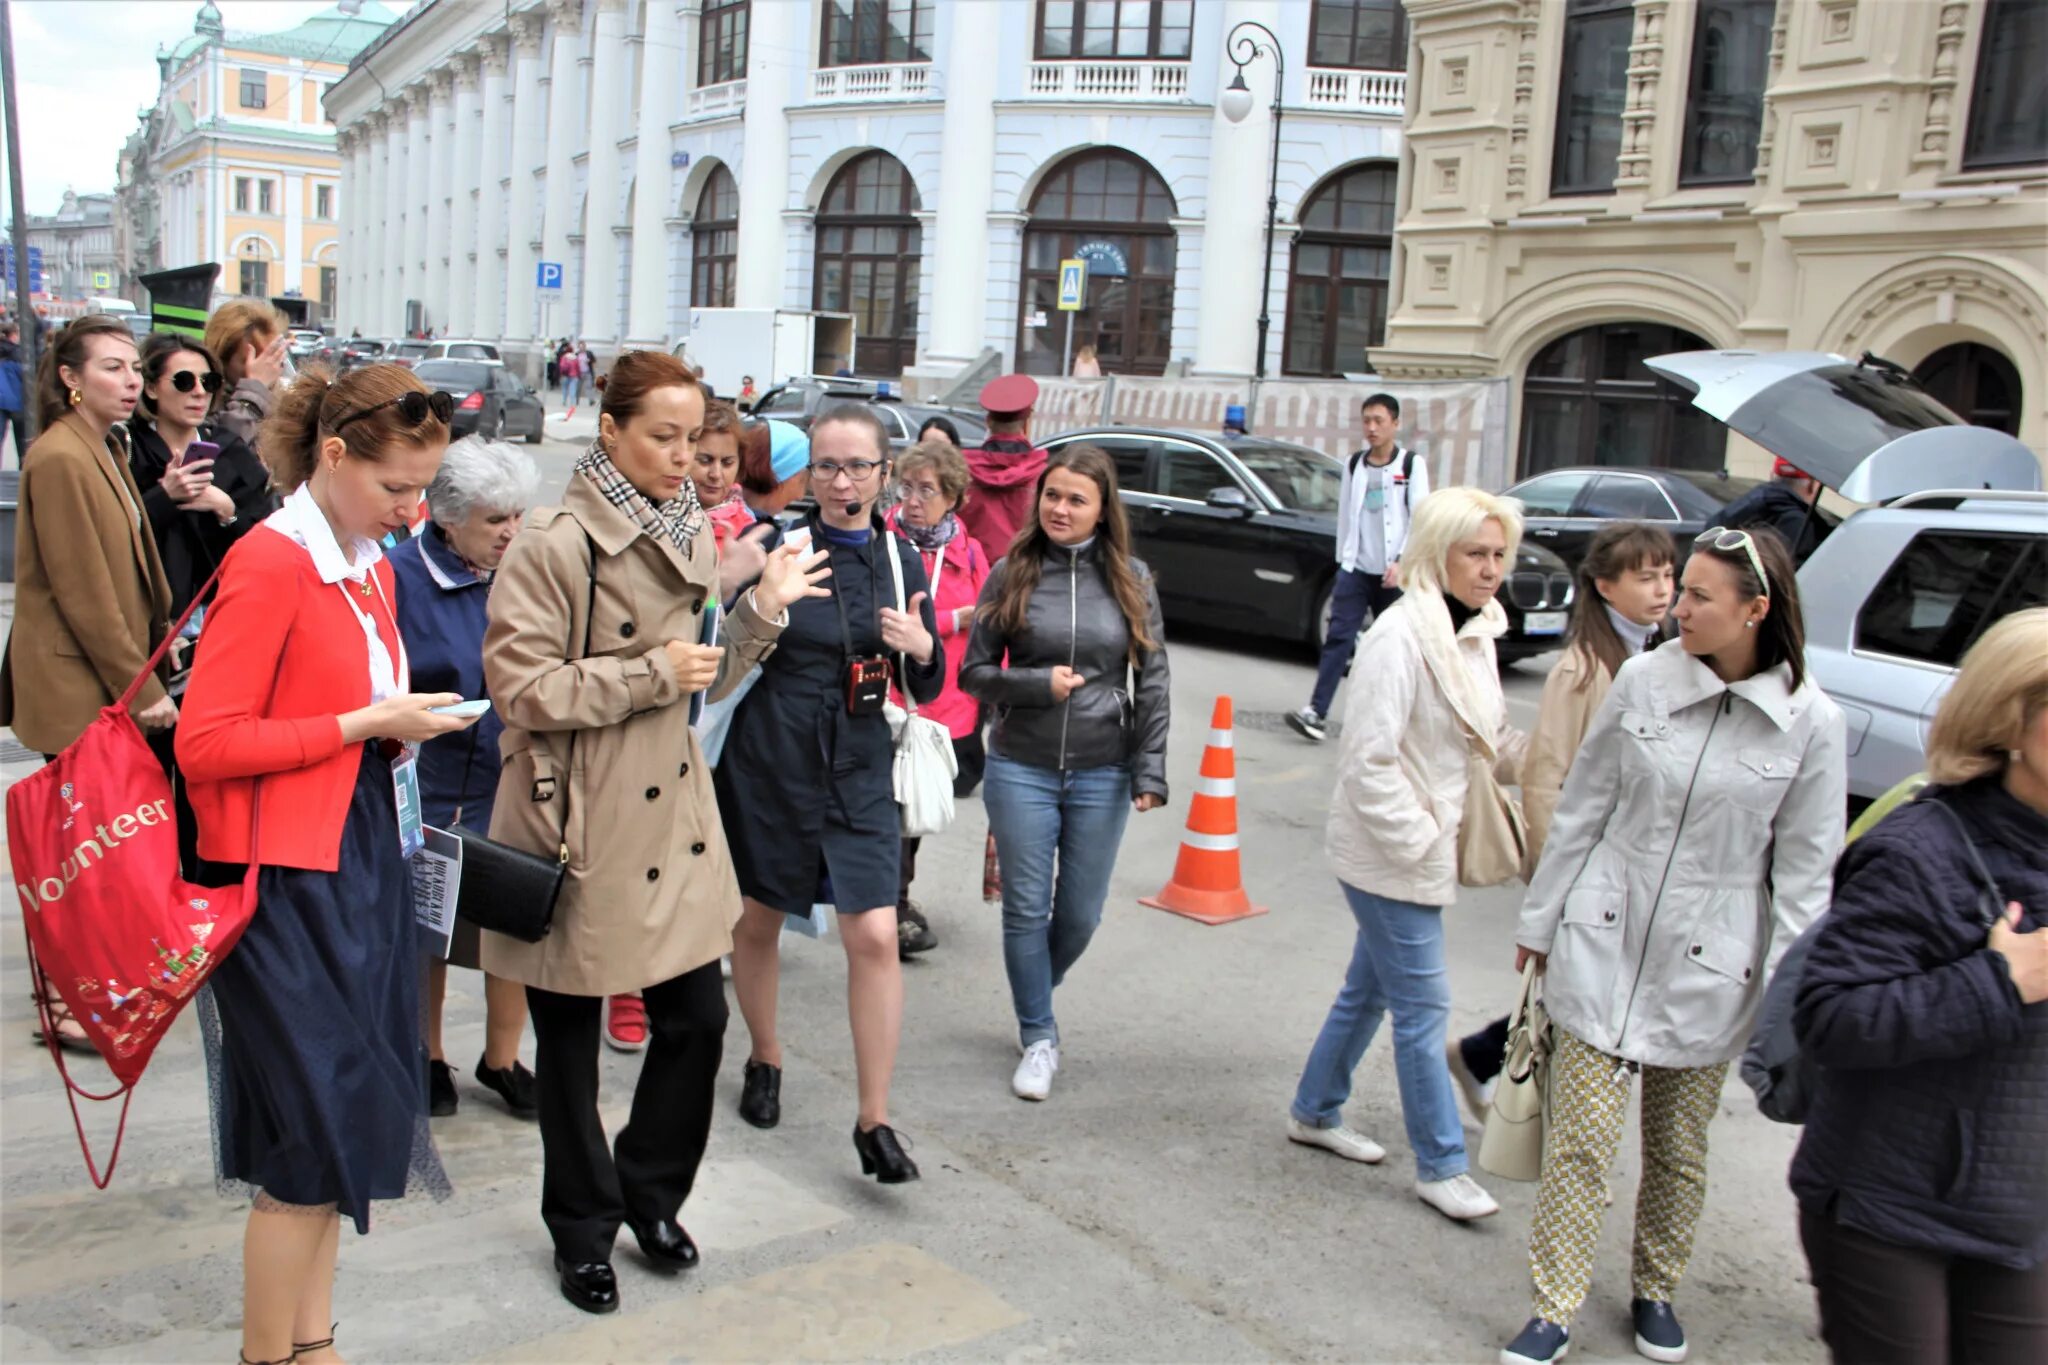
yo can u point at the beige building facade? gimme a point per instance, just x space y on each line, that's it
1588 182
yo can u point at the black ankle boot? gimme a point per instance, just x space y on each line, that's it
882 1155
761 1099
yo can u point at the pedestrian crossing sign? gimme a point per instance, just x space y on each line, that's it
1073 284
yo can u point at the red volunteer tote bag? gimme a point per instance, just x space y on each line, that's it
113 929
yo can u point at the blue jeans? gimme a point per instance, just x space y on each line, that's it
1355 597
1398 964
1057 835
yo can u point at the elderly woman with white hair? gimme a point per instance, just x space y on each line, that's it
476 503
1393 833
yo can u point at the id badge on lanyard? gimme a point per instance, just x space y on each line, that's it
387 680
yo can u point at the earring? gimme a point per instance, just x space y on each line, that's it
1749 625
76 398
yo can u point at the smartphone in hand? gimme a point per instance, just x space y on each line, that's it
198 452
464 709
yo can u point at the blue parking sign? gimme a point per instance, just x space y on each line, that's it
548 275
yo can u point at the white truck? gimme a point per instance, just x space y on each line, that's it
769 344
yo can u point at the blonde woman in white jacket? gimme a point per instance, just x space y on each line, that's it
1430 678
1695 838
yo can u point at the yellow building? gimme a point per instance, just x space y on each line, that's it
241 168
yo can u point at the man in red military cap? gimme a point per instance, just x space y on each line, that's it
1785 505
1005 467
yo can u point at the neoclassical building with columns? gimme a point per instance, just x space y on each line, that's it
922 166
1589 182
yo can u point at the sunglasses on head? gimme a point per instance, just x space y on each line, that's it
1728 541
184 381
413 408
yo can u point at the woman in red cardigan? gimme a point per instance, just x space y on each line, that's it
286 741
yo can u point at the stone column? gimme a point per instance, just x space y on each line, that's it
647 307
488 273
441 189
417 185
1234 226
462 258
608 76
1639 117
565 129
777 31
522 223
958 298
393 217
370 238
344 286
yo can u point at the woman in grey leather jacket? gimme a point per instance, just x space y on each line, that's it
1080 714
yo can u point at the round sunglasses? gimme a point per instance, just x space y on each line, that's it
184 381
413 408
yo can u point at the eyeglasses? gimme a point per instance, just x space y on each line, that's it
413 407
1727 541
858 470
184 381
923 492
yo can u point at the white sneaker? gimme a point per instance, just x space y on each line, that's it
1033 1077
1459 1198
1345 1142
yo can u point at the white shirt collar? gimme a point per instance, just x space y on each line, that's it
301 519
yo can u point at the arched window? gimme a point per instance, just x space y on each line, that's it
1975 382
1337 282
869 247
714 241
1111 209
1588 399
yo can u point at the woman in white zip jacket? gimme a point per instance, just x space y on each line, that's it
1695 839
1430 677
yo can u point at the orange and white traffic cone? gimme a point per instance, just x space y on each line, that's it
1207 883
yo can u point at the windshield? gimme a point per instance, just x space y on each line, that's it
472 350
1298 478
410 348
449 375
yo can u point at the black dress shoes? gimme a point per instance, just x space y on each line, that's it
882 1155
441 1097
513 1084
761 1098
667 1245
591 1285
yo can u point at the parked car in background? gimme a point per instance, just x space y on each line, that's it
1896 595
460 349
1241 532
404 351
490 400
305 344
1565 508
359 351
799 401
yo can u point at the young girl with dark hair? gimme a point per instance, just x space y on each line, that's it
292 743
1069 652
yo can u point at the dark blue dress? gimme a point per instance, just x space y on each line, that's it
312 1027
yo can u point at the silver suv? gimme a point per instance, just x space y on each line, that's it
1897 593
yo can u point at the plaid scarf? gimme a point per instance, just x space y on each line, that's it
925 538
679 519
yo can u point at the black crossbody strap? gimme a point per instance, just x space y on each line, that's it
1993 905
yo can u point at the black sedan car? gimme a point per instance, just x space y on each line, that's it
801 401
1565 508
490 400
1241 532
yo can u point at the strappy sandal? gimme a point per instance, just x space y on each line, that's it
60 1015
310 1346
286 1361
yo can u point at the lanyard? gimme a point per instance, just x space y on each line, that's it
838 599
384 682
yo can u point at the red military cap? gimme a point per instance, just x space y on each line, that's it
1785 469
1012 395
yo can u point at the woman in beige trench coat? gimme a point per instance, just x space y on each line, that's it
595 684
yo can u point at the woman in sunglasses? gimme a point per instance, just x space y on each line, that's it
287 739
1695 838
199 501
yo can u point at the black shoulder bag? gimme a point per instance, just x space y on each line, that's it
508 890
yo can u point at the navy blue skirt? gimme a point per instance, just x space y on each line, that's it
312 1026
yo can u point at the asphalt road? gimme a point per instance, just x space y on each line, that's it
1151 1210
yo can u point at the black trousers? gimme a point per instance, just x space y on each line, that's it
1884 1304
587 1188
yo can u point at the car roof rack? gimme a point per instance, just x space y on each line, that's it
1952 497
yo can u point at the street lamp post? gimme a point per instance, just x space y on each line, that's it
1245 46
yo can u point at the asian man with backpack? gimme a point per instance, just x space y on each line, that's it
1383 482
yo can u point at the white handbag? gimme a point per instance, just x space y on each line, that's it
925 766
1512 1146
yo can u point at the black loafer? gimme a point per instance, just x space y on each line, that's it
761 1097
667 1245
591 1285
882 1155
913 932
441 1097
512 1084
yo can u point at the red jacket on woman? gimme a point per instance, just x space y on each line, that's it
961 573
281 659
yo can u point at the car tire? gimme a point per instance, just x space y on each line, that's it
1319 617
493 429
536 436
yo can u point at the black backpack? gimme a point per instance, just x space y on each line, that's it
1783 1078
1407 470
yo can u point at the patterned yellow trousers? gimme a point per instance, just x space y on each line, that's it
1589 1093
